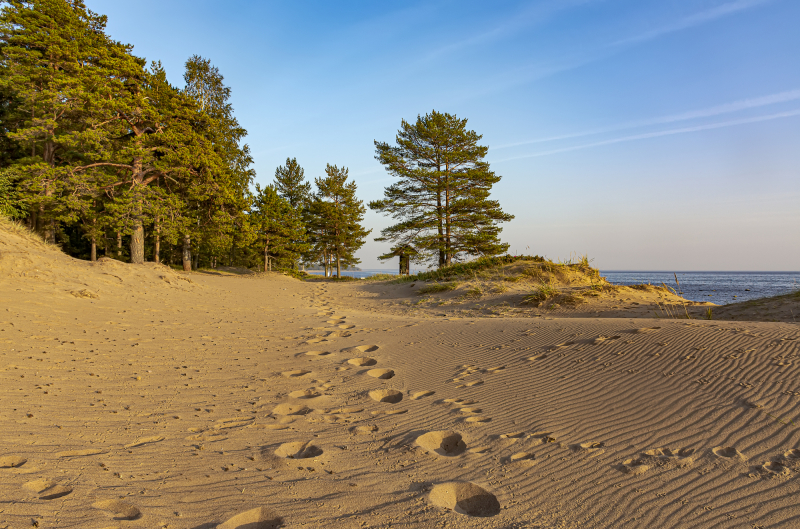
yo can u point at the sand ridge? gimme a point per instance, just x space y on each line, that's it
173 410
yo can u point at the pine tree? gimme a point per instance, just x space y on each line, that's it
62 69
219 215
442 197
278 227
338 216
290 184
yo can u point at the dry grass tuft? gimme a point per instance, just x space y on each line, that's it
17 228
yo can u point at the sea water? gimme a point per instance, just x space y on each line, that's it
717 287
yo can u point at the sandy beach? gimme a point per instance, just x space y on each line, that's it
138 397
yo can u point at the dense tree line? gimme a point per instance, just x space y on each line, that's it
100 153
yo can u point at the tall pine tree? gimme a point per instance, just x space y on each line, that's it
278 227
441 200
338 215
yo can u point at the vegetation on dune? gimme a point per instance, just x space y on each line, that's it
438 287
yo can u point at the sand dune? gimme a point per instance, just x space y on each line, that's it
169 403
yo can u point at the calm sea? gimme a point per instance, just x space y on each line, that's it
716 287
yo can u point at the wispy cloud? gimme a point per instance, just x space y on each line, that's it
695 19
669 132
525 19
727 108
599 51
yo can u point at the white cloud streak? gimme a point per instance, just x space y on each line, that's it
696 19
648 135
727 108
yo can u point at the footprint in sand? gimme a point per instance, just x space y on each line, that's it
634 466
290 409
513 435
470 410
233 422
421 394
336 322
461 402
444 443
589 448
362 362
80 453
383 374
495 369
365 429
391 396
295 373
119 510
346 326
522 457
259 518
466 498
729 453
318 353
680 456
360 349
12 461
46 489
304 394
792 455
144 441
537 357
774 469
560 346
644 330
477 419
542 437
298 450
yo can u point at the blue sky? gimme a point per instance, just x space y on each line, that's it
648 134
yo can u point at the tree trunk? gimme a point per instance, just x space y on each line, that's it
196 260
266 257
119 245
137 236
157 243
338 265
93 254
187 253
325 261
48 154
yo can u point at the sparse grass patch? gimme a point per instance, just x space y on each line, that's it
512 279
438 287
499 289
291 272
22 230
474 292
382 277
541 294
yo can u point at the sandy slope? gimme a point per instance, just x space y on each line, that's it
197 402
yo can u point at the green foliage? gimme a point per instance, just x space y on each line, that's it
467 269
10 204
335 220
437 287
441 200
290 184
277 226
